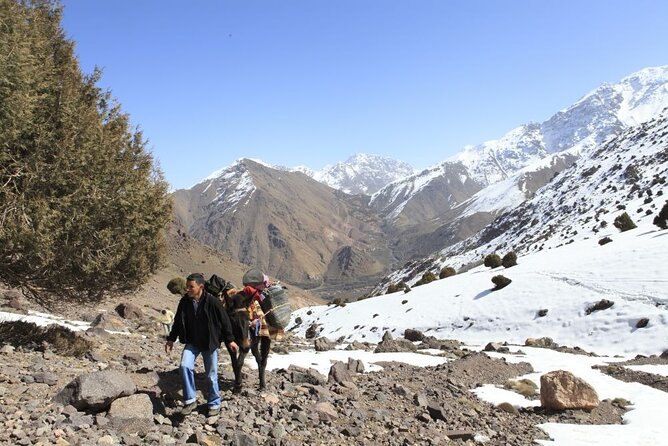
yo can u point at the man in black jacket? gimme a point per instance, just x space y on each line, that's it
201 323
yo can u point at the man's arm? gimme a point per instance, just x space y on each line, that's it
226 333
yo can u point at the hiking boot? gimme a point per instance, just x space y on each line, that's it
213 411
188 408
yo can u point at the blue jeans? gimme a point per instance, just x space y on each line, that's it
187 370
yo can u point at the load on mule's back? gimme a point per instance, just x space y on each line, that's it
276 306
249 323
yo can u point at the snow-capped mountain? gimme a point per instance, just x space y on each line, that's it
362 173
626 174
359 174
596 117
249 211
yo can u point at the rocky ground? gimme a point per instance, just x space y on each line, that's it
618 371
401 405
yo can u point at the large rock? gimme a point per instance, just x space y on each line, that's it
440 344
96 391
355 365
323 344
312 331
132 414
389 345
109 321
130 311
561 390
299 375
339 373
541 342
413 335
325 411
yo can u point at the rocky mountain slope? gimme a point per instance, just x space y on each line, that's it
626 174
298 229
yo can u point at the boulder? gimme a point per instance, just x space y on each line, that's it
96 391
355 365
145 380
355 345
413 335
323 344
311 331
440 344
109 321
325 411
561 390
338 373
602 304
436 412
496 347
132 414
388 345
299 375
541 342
130 311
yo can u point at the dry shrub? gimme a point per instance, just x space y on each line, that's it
32 337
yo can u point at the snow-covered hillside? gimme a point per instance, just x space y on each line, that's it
627 174
631 271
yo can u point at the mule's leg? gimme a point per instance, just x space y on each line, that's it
265 346
234 359
255 342
238 376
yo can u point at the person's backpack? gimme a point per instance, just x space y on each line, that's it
276 306
216 285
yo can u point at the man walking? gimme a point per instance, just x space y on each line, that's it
201 323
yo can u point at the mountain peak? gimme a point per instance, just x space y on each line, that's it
363 173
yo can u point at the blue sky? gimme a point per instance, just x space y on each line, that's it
311 82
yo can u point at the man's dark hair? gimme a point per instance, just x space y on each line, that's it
198 278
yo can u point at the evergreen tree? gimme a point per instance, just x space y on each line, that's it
82 205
